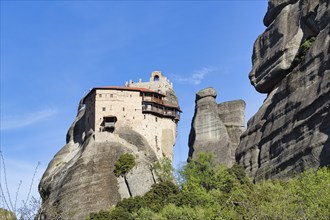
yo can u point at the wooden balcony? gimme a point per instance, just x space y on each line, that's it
152 99
162 111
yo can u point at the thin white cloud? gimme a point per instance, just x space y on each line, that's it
11 122
196 78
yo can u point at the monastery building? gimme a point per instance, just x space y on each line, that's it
149 108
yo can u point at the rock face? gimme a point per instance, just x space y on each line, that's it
80 178
290 132
216 128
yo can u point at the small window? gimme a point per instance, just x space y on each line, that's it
111 95
156 78
144 116
123 108
133 117
156 119
103 108
100 95
130 95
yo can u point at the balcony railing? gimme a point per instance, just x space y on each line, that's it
164 112
152 99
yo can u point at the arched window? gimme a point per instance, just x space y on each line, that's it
156 78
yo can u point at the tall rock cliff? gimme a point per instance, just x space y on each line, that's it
216 128
291 62
80 178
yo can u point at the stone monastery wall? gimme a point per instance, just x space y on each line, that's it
126 105
157 82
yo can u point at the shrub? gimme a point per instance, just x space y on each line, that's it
216 192
124 164
5 214
147 214
305 46
101 215
164 170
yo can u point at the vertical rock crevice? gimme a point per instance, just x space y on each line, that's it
127 185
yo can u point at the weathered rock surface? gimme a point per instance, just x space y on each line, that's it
290 132
80 178
216 128
232 114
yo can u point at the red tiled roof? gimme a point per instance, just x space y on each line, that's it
130 89
134 89
125 88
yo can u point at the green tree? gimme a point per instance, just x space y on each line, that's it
212 192
8 215
124 164
164 170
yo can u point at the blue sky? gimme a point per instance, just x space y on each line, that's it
52 52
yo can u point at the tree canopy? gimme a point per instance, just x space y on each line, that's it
206 191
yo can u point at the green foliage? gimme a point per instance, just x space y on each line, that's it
174 212
164 170
8 215
147 214
305 46
124 164
205 174
210 192
114 214
101 215
160 194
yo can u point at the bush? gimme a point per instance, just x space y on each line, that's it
161 194
5 214
164 170
304 48
215 192
124 164
101 215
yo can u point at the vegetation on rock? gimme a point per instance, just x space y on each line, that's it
208 191
124 164
304 48
163 170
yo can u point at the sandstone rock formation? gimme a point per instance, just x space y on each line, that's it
290 132
80 178
216 128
